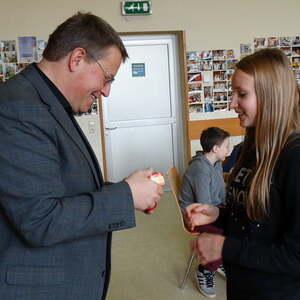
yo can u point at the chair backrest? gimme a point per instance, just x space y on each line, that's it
226 176
175 185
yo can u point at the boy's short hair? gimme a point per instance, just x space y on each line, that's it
212 136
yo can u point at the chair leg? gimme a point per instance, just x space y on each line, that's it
187 271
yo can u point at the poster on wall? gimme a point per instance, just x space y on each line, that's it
27 48
8 51
41 45
208 76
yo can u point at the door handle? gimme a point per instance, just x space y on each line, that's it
111 128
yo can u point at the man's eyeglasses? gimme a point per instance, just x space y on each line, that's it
109 78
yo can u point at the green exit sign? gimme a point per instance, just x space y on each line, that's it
136 8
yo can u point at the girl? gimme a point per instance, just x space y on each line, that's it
260 247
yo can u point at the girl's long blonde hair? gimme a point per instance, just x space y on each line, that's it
277 117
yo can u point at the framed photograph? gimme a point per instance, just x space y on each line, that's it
259 43
194 98
231 64
229 74
218 54
229 88
221 106
220 86
296 51
205 55
286 50
27 48
192 56
230 54
197 108
206 65
219 65
273 42
194 77
220 97
9 57
208 106
296 41
208 93
245 49
9 71
195 87
219 75
296 63
194 67
8 45
285 41
297 74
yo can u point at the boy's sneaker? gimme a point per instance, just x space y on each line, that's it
221 271
205 282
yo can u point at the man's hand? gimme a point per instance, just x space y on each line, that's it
208 247
146 193
201 214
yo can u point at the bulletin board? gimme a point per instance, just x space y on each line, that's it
208 82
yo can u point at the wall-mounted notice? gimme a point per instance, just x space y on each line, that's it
138 70
27 48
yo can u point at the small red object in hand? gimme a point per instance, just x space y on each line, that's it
159 179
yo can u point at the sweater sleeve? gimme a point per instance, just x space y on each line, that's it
282 254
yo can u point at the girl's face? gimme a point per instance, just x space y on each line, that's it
244 100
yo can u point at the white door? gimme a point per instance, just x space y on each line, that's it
141 113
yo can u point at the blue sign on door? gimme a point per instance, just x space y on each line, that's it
138 70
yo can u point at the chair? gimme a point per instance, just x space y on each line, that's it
175 184
226 176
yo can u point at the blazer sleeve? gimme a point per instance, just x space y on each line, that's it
32 188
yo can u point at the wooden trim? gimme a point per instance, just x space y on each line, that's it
232 125
184 93
100 106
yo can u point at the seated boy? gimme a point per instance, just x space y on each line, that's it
203 183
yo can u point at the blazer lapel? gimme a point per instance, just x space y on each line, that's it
61 117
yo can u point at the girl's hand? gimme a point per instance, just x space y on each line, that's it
201 214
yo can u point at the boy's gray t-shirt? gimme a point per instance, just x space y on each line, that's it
202 182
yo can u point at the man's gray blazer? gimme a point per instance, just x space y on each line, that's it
56 214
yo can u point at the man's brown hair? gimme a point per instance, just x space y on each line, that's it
83 30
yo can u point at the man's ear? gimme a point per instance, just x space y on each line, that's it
76 58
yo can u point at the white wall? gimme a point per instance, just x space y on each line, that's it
208 24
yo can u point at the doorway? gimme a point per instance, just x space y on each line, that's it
143 116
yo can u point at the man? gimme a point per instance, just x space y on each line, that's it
57 214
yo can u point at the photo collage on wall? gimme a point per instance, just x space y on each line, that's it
209 74
12 61
17 54
290 45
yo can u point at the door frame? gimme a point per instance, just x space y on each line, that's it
180 38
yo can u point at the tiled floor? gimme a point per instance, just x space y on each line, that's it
149 260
